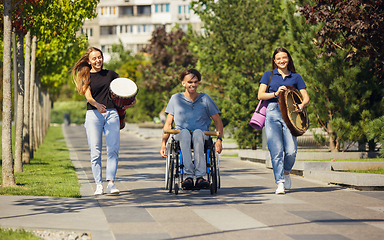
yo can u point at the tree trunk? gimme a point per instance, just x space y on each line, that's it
20 103
331 138
14 47
31 86
25 149
8 176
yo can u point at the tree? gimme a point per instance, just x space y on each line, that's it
8 176
26 132
20 103
339 90
169 54
234 51
55 23
355 23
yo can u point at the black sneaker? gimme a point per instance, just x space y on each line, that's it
187 184
202 183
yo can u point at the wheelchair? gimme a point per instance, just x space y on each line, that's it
174 164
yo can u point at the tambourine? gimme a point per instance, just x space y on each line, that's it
297 122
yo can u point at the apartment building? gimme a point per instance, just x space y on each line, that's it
133 21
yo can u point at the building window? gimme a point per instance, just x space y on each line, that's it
138 28
180 9
144 10
90 32
108 30
167 7
189 8
126 11
159 26
102 11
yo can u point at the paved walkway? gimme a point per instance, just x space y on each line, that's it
244 208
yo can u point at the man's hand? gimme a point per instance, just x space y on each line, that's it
163 151
218 146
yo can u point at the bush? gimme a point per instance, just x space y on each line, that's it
375 131
76 110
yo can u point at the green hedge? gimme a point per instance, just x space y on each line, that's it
76 110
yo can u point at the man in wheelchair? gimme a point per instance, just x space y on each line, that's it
192 112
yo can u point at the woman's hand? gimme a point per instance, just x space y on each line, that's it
300 107
130 105
102 108
281 89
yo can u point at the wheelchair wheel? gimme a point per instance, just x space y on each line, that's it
167 165
170 167
176 188
213 174
218 170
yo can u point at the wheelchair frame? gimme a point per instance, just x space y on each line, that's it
174 164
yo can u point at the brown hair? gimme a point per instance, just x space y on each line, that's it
291 66
192 71
81 71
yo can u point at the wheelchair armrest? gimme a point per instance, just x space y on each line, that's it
175 131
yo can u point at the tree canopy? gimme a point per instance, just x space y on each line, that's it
355 26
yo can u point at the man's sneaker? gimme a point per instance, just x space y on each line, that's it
99 189
280 188
287 183
111 188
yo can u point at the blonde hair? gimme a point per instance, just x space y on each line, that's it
81 71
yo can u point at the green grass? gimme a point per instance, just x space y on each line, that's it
375 171
10 234
50 172
349 160
229 155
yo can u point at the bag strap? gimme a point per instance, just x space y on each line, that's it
261 101
270 78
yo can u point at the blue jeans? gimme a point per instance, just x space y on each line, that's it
95 124
198 139
281 144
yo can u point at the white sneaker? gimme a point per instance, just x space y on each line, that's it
99 189
111 188
287 183
280 188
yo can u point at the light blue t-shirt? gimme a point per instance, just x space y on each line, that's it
192 115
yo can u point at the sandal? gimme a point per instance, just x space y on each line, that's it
187 184
202 183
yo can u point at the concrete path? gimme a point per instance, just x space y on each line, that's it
244 208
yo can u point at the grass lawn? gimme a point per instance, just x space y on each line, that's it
349 160
10 234
50 172
375 171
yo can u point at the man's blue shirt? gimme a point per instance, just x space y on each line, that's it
192 115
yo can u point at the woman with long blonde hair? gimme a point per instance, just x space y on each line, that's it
93 82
